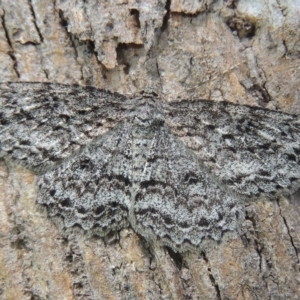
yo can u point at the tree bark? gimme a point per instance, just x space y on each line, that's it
242 51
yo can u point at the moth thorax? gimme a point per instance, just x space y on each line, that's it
148 116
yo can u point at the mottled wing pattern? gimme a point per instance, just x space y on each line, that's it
42 123
172 170
253 151
92 190
178 202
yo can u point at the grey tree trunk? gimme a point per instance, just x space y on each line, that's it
242 51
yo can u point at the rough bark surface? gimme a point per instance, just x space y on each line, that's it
240 51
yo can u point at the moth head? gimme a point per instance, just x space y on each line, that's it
148 112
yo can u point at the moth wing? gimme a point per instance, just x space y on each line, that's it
92 190
41 123
178 202
252 151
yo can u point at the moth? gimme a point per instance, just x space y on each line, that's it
179 173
